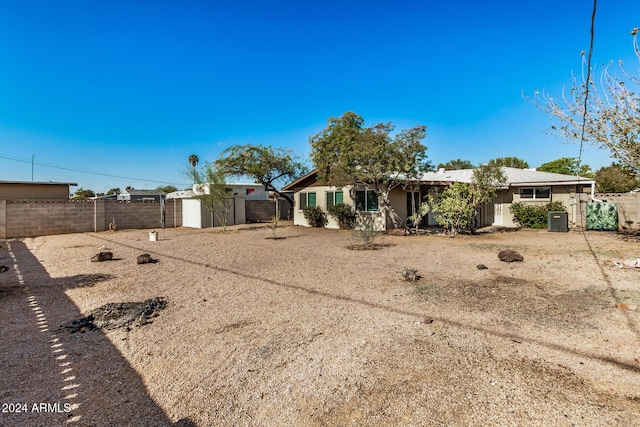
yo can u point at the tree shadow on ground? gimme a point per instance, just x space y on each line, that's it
75 379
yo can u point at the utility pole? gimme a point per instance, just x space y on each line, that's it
32 156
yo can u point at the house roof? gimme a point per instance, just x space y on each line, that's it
303 181
515 178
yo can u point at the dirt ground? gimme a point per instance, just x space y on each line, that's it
303 331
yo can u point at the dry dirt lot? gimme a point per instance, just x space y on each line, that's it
303 331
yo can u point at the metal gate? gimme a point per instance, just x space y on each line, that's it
602 216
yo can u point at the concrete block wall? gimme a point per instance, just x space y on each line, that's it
30 218
628 208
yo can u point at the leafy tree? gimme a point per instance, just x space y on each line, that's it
566 166
459 204
510 162
456 164
266 165
347 153
82 194
422 211
616 179
455 207
113 191
611 116
167 188
214 196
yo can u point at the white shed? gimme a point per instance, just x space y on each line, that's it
196 215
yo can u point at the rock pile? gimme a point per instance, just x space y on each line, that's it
119 315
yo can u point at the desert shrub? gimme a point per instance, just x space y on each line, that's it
344 214
365 229
315 216
273 225
534 216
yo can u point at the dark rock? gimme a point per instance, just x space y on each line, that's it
102 256
119 315
410 275
509 255
146 259
482 267
3 268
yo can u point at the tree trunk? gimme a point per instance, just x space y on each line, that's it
289 199
387 209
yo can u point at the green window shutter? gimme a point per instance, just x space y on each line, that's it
339 197
312 199
303 201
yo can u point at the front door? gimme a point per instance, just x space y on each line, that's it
497 209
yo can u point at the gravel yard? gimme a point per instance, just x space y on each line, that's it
304 331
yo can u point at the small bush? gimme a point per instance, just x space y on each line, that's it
344 214
534 216
365 230
315 216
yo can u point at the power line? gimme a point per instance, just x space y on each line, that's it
88 172
588 83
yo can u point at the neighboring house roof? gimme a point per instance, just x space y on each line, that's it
73 184
180 194
144 192
515 178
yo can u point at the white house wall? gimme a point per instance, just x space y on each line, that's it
321 201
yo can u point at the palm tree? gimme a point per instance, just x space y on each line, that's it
194 159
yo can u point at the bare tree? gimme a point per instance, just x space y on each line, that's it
609 117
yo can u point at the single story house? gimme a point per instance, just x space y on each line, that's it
33 190
141 195
522 185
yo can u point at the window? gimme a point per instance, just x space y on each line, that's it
366 201
307 200
540 193
334 198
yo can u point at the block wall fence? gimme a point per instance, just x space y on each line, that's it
30 218
628 208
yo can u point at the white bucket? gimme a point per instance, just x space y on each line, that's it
153 236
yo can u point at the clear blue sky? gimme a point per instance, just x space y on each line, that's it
132 88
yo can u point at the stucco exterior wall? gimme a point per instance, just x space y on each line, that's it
321 201
566 194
